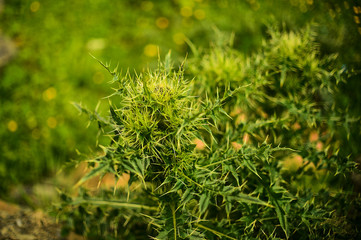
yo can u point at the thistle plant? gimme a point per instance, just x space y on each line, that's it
232 187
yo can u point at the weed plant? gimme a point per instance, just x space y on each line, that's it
51 66
250 117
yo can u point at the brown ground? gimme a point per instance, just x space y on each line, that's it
25 224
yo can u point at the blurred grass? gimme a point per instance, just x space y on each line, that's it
52 66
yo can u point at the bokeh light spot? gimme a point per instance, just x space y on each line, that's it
49 94
35 133
200 145
31 122
313 136
52 122
96 44
146 5
199 14
179 38
151 50
186 11
162 22
34 6
355 9
12 126
357 19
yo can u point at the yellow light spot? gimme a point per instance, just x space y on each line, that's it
162 22
35 133
309 2
49 94
357 19
52 122
98 78
34 7
355 9
198 0
179 38
96 44
199 14
151 50
186 11
346 4
12 126
147 6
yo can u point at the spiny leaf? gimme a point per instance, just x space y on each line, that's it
94 172
113 203
115 117
251 167
244 198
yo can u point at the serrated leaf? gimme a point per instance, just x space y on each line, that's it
115 116
282 217
244 198
251 167
94 172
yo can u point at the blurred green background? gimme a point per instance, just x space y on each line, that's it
45 62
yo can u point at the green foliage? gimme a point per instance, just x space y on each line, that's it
253 114
51 66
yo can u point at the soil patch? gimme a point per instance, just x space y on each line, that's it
25 224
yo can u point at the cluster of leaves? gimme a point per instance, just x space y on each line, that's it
285 85
252 114
43 124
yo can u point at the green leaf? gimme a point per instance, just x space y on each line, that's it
114 204
94 172
187 196
214 231
115 116
244 198
251 167
283 76
204 202
282 217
